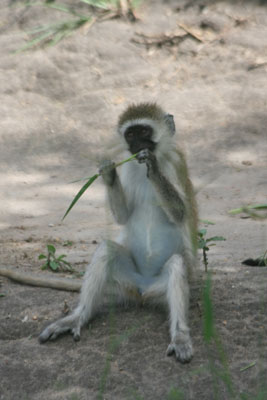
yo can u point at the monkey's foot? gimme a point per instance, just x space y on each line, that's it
183 350
67 324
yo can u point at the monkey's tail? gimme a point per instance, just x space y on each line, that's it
73 285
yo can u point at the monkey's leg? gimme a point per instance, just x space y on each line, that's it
112 264
172 282
178 301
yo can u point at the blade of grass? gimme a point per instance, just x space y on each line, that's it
97 4
90 181
251 207
80 193
34 42
208 311
248 366
60 7
115 166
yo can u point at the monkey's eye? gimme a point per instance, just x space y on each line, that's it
129 134
145 132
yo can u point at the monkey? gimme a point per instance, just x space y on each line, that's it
155 253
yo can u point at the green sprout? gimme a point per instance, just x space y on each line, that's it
203 244
53 262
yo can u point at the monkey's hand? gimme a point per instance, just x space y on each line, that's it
108 172
146 156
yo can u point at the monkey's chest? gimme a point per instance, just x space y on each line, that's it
153 240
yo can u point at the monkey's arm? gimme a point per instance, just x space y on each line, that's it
171 200
116 196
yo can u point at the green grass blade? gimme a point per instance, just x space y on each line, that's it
251 207
90 181
97 4
59 7
208 311
248 366
115 166
34 42
80 193
57 38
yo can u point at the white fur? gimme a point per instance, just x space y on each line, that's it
151 256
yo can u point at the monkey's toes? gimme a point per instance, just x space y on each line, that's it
44 336
182 351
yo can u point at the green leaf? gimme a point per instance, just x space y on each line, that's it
207 222
53 265
61 256
41 257
202 232
201 243
51 249
215 239
45 266
80 193
67 264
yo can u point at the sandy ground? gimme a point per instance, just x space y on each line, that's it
58 107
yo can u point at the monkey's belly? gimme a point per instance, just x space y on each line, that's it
151 246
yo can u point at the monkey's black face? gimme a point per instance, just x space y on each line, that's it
139 137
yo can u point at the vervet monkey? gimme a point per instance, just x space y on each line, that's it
152 197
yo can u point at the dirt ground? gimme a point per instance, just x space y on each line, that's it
58 107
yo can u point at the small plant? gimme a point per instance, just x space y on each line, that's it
203 244
53 262
49 35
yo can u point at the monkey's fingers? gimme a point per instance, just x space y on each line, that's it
64 325
142 156
52 332
182 351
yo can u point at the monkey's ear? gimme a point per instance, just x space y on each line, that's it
170 123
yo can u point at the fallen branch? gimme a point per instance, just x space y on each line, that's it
72 285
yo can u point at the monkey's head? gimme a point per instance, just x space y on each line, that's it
144 125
